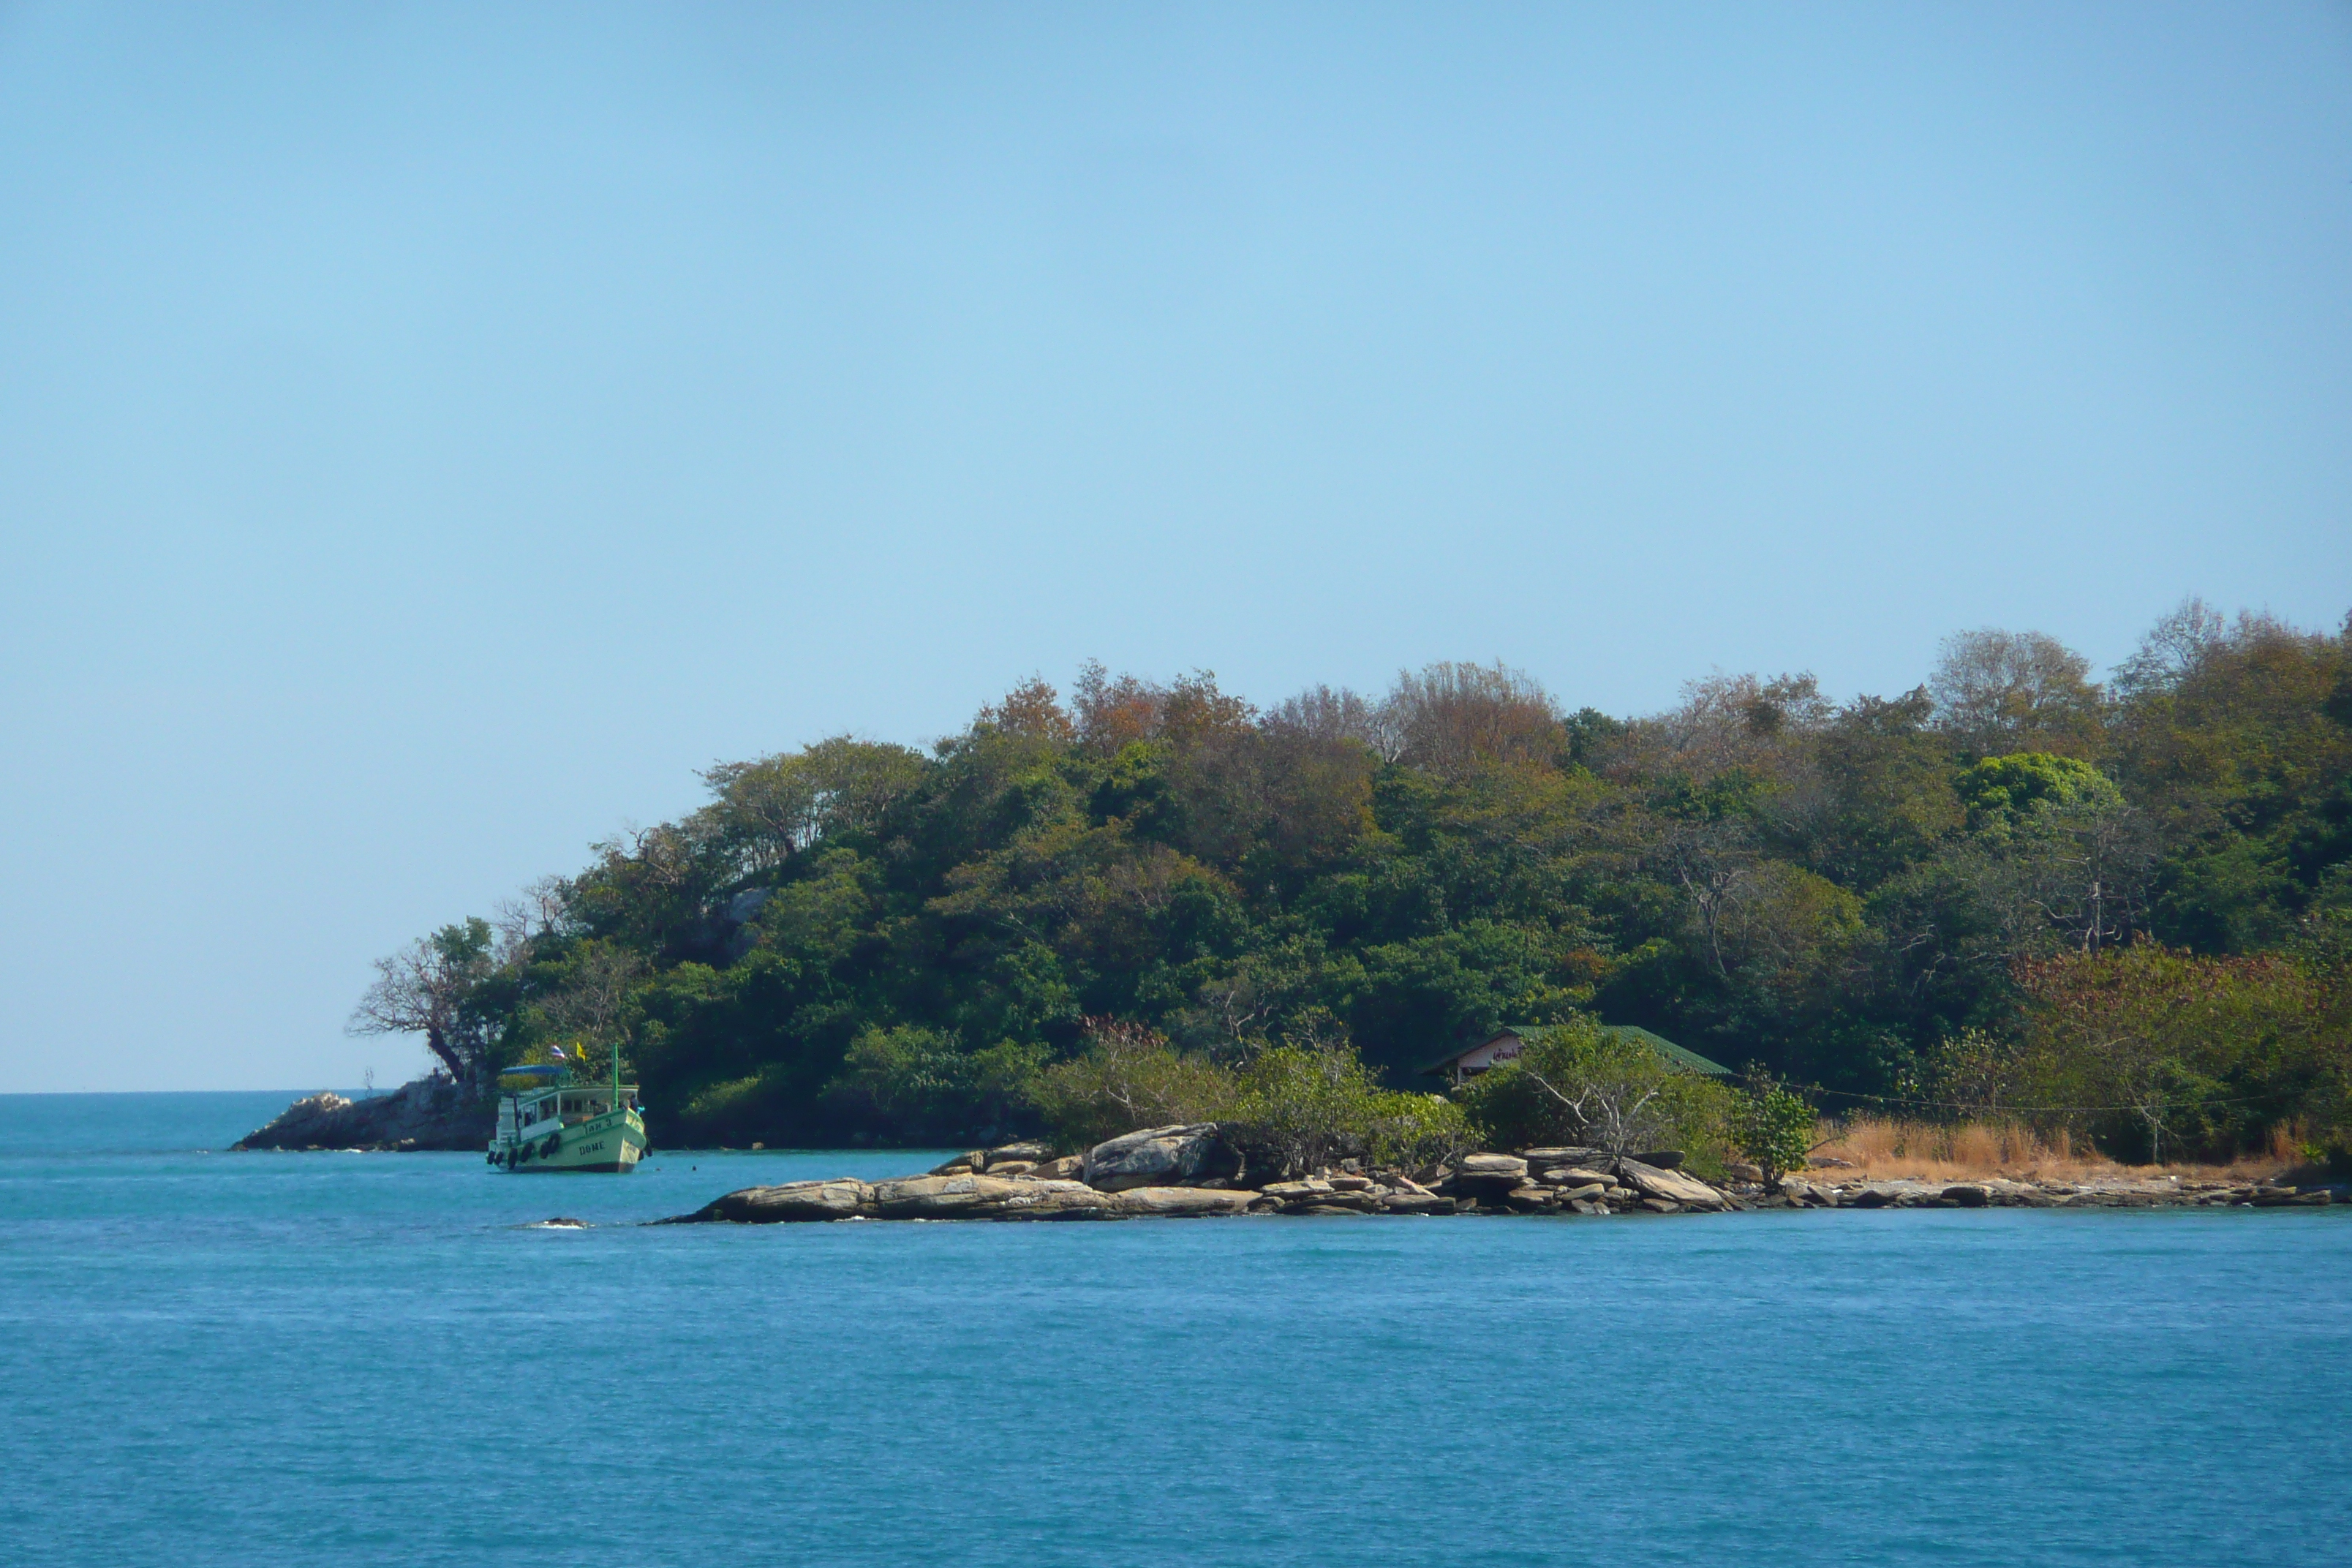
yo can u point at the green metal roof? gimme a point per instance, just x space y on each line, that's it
1688 1060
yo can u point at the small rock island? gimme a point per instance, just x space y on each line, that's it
1201 1169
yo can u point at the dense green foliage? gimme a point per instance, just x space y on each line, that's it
1772 1128
863 942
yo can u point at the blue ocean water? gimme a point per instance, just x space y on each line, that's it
344 1359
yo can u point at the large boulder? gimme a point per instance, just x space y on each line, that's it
954 1196
1796 1189
1668 1186
1161 1157
748 903
970 1196
1485 1177
838 1198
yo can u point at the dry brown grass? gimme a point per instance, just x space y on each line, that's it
1931 1152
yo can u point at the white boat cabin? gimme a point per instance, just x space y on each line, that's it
528 1112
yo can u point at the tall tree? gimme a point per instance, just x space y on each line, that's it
426 989
1998 691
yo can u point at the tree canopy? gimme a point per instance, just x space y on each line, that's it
857 940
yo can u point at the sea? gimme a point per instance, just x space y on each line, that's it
337 1358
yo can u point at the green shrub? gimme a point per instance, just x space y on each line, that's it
1308 1107
1128 1077
1775 1127
1581 1085
1414 1132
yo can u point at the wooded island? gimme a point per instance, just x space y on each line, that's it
2120 911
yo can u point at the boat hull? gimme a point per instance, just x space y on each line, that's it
613 1144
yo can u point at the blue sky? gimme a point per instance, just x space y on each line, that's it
429 435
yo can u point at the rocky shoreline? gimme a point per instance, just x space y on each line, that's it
429 1114
1196 1171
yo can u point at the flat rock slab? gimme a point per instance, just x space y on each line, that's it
1178 1202
937 1197
1417 1202
1353 1203
1309 1189
960 1195
968 1196
1668 1186
1054 1200
1566 1155
841 1198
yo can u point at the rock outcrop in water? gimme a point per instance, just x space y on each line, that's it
1195 1172
429 1114
964 1195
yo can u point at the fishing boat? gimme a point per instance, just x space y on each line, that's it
549 1123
